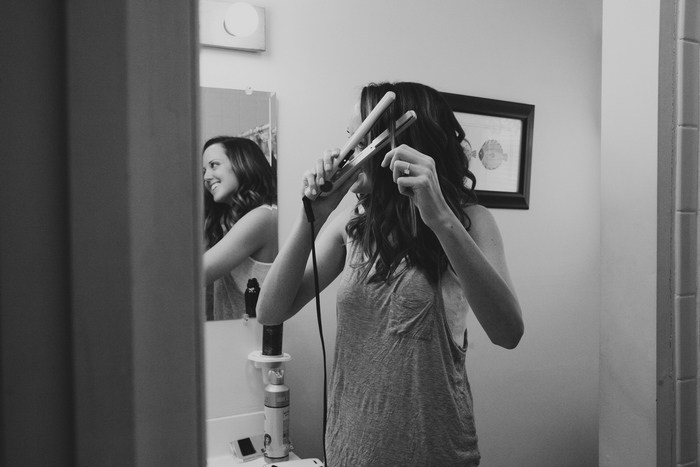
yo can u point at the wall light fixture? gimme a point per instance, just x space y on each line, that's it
231 25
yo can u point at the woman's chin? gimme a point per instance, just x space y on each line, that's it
221 198
361 185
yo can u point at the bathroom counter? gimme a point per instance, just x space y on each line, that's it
229 461
220 433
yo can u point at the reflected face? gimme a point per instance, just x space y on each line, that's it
219 178
363 184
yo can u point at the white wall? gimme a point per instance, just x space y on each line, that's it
536 405
628 235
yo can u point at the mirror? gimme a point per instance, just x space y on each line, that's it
251 115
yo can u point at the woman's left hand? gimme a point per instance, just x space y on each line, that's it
416 177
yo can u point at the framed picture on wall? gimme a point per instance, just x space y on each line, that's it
498 145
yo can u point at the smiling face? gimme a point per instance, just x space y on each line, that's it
219 178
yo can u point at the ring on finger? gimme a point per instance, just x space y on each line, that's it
407 170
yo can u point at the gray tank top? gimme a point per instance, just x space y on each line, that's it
399 394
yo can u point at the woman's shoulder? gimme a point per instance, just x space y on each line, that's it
265 213
265 207
483 223
478 213
264 210
338 224
481 219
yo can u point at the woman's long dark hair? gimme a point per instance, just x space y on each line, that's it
257 186
382 224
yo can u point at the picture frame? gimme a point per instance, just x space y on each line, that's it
499 147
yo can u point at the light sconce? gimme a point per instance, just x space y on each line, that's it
232 25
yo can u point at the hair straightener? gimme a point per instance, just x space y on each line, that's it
351 163
347 163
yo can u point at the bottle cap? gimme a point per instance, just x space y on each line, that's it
276 376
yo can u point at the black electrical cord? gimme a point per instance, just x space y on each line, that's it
310 217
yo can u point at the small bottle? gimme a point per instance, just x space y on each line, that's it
272 339
276 413
251 297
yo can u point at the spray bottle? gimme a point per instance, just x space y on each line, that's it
251 298
276 413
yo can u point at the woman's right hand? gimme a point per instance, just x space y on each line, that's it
314 178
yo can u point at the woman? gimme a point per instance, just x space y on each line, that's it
399 393
240 221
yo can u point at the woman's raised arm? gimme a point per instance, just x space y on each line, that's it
253 232
289 284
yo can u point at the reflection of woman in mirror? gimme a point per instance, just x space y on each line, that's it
240 220
399 393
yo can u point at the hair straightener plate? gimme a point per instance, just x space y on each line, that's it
352 162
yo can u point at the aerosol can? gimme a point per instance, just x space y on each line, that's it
276 412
